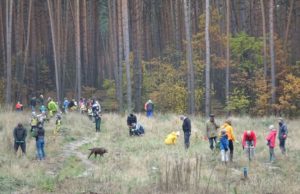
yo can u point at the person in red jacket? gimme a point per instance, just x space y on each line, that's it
249 142
271 138
249 139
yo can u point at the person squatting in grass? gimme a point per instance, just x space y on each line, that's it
271 139
212 131
137 129
249 143
20 134
282 135
186 127
171 139
224 144
231 137
131 119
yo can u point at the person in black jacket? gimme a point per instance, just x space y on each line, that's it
20 134
131 121
40 141
186 127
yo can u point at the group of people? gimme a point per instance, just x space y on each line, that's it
249 139
223 138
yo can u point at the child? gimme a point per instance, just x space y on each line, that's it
172 138
57 124
224 143
271 138
33 123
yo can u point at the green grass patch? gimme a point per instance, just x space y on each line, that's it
72 168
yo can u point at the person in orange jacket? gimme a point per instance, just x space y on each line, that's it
231 137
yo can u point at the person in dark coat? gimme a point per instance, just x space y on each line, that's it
131 120
186 127
40 141
282 135
20 134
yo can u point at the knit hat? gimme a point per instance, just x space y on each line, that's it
271 127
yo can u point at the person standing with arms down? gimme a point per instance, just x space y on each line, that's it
149 108
20 134
282 135
271 139
186 127
212 131
40 141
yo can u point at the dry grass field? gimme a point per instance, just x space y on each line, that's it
143 164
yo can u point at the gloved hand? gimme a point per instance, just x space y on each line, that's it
268 143
243 147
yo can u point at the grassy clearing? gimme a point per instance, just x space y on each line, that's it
145 164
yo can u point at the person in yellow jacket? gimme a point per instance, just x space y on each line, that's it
172 138
231 137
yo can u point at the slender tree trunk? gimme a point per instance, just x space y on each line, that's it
126 51
272 54
120 52
288 26
77 48
189 57
227 85
207 65
9 12
54 50
85 42
138 55
262 6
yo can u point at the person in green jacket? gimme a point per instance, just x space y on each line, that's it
52 107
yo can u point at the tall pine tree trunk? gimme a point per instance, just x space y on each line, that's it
120 52
227 85
138 50
288 25
77 48
189 58
262 6
126 51
207 64
56 65
9 11
272 54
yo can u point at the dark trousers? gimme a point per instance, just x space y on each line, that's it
20 144
282 145
272 154
231 150
98 122
212 141
187 139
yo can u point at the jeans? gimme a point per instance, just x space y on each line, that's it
249 149
282 145
40 148
187 139
272 154
20 144
149 113
211 142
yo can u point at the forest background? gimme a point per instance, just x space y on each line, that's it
187 56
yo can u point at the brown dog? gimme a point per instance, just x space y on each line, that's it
96 151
